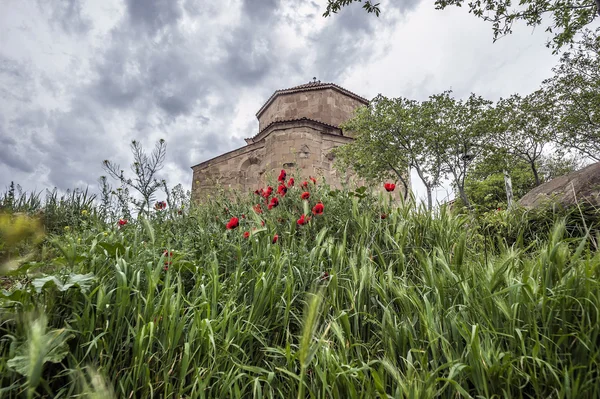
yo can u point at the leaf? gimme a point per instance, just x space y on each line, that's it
83 281
113 249
39 348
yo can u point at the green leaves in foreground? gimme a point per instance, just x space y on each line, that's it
41 346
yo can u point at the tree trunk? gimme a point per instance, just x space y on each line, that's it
429 199
509 190
463 197
403 181
535 174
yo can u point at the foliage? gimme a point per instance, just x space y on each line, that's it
485 183
374 154
437 137
392 134
464 133
522 129
574 95
333 6
416 304
569 17
145 169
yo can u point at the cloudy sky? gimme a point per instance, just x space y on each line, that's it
79 79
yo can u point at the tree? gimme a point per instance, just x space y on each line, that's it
568 16
460 125
485 185
574 96
145 169
523 129
403 132
369 155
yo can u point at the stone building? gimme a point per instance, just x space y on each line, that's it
297 129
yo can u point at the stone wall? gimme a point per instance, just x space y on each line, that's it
326 105
301 148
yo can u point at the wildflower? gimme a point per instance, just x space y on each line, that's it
324 276
499 209
122 222
167 253
275 238
166 268
243 216
274 203
282 176
389 187
313 179
67 228
259 192
262 223
246 234
281 190
383 216
84 212
304 183
233 223
318 209
257 208
291 182
303 220
180 212
160 205
305 195
267 193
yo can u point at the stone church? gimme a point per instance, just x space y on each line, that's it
297 129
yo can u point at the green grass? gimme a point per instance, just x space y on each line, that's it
350 305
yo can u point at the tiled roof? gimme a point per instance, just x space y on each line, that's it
278 121
317 85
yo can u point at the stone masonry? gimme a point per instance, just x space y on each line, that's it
298 129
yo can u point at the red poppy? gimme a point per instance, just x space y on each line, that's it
246 234
281 190
282 176
313 179
243 216
166 268
291 182
499 209
160 205
274 202
180 212
318 209
304 183
275 238
122 222
383 216
305 195
257 208
267 193
389 187
233 223
262 223
167 253
259 192
324 276
303 220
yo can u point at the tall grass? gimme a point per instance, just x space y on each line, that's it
349 305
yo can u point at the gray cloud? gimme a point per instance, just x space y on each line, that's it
153 14
67 14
